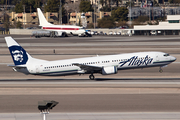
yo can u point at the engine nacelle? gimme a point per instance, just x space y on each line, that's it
109 70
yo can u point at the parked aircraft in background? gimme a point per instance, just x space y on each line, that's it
69 29
105 65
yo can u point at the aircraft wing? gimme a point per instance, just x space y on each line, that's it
88 67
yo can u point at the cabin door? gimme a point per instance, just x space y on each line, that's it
157 58
39 68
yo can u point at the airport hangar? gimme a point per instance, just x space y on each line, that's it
169 27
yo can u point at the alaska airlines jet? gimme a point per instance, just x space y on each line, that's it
105 65
69 29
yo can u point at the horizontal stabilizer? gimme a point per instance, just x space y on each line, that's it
17 66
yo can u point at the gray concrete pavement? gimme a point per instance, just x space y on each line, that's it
93 103
130 94
94 116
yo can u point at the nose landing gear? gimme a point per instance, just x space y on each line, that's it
160 70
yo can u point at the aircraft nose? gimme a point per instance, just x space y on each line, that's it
173 58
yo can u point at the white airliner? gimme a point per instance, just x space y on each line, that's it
69 29
105 65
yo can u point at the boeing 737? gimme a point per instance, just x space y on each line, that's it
68 29
105 65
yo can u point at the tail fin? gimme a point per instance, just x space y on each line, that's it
19 55
42 19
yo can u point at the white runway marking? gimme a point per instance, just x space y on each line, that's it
93 116
143 39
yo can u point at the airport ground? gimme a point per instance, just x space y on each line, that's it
129 95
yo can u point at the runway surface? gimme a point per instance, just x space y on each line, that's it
94 116
130 94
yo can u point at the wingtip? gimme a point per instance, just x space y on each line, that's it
7 37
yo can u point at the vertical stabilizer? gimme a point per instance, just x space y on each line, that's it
18 54
42 19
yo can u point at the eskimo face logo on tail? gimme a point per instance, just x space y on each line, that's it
18 54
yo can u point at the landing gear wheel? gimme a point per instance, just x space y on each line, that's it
160 70
91 77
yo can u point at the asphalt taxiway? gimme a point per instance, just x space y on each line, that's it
130 94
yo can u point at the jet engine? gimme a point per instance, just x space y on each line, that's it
109 70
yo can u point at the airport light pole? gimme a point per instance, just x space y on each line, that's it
111 5
76 18
130 14
60 13
22 16
67 14
75 12
94 17
45 106
149 14
164 9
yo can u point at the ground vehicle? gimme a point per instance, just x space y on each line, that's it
88 31
119 33
43 33
110 33
92 33
86 34
114 33
101 33
153 32
96 33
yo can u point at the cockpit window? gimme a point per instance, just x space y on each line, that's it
166 54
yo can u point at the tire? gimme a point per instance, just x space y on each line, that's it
91 77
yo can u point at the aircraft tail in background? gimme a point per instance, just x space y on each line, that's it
42 19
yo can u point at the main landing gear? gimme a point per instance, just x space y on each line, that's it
91 77
160 70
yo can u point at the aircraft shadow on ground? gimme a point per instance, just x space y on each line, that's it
134 79
88 80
